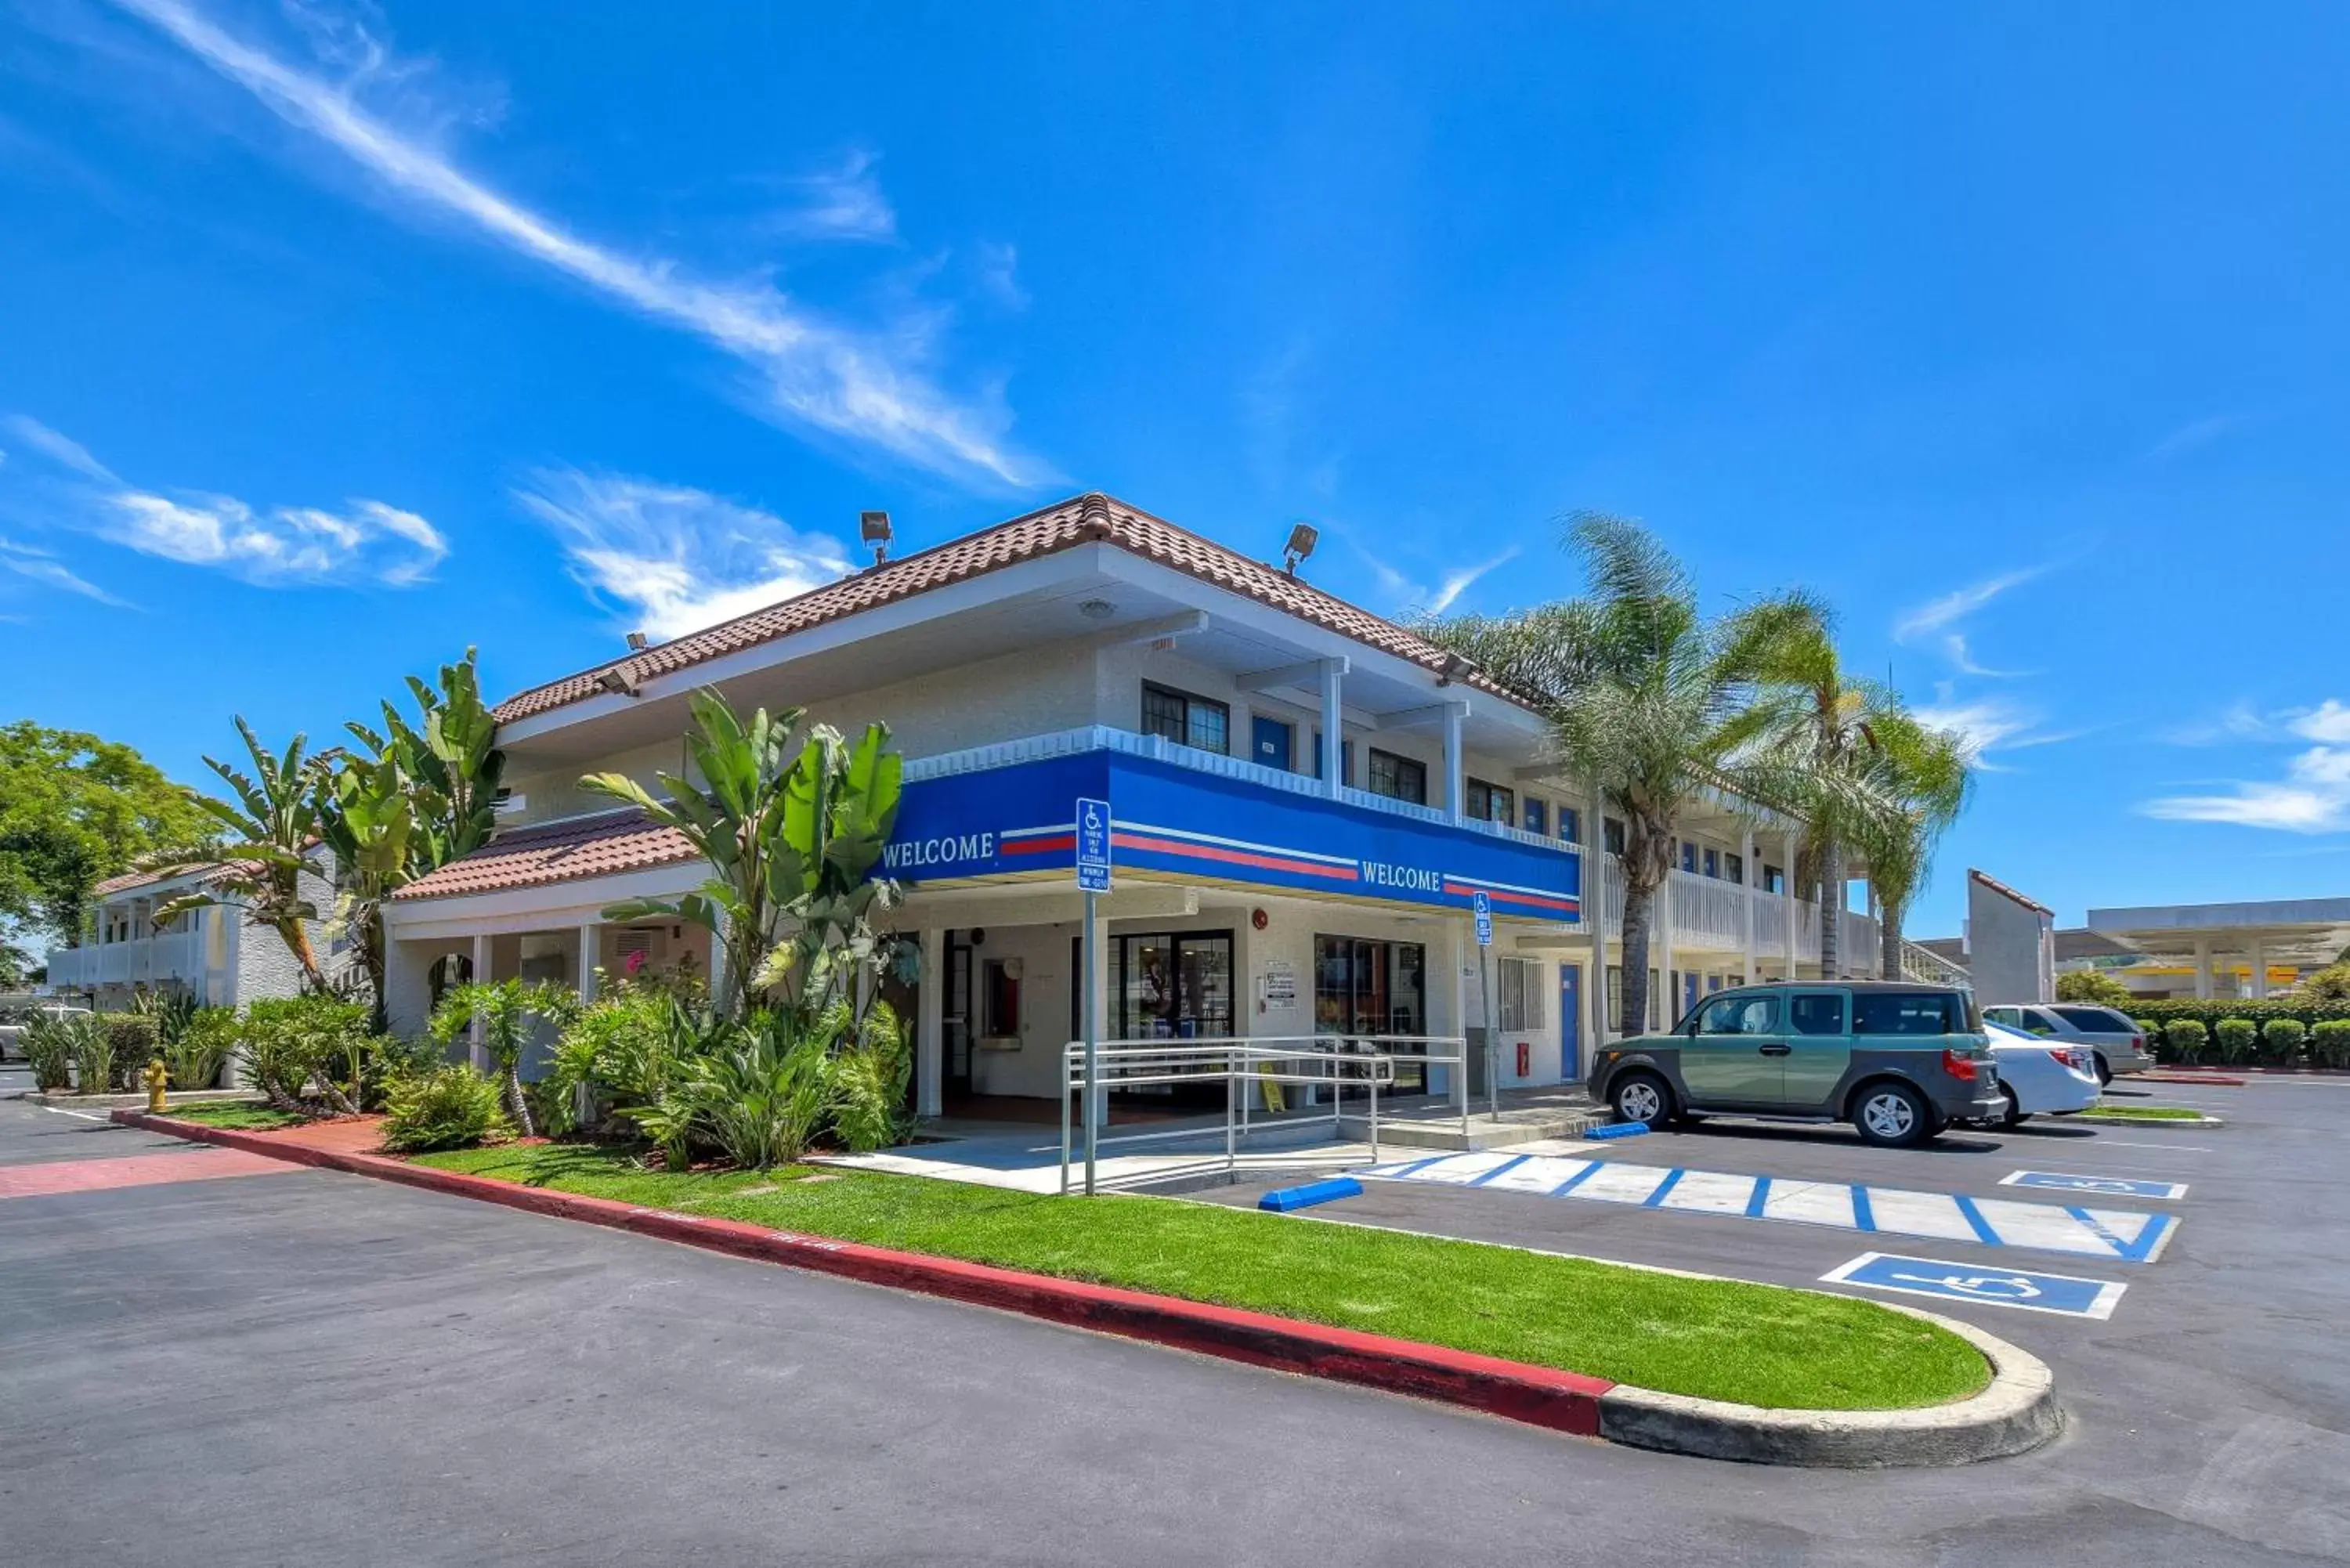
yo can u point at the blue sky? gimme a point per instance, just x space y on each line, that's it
333 339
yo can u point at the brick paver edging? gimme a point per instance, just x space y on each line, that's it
2018 1412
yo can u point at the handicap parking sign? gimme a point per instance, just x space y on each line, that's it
1093 845
2109 1186
2067 1295
1481 903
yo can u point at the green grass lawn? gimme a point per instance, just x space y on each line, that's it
243 1116
1720 1339
2142 1114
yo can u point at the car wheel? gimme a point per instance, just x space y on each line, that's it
2015 1116
2105 1074
1641 1097
1892 1115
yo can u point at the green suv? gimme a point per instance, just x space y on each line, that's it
1900 1062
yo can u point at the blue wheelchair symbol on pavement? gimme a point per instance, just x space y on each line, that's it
2110 1186
2066 1295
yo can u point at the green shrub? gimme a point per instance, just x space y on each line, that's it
52 1044
450 1106
761 1098
2280 1040
137 1039
294 1043
2330 1042
93 1057
2150 1029
631 1047
196 1053
2237 1039
2185 1036
865 1084
2095 986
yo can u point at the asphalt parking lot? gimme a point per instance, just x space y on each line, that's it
302 1367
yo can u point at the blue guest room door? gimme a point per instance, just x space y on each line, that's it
1570 1023
1269 742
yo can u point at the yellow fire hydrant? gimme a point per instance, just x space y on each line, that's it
157 1077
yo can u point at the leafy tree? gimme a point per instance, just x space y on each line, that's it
2093 986
74 809
2329 986
270 838
1646 696
791 835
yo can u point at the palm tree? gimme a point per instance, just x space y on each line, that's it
1921 777
1824 727
271 840
1646 696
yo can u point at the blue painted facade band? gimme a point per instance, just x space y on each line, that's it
1015 821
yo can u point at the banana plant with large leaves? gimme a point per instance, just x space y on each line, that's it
791 830
369 816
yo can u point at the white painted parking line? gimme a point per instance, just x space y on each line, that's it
2121 1235
2066 1295
2104 1186
2166 1146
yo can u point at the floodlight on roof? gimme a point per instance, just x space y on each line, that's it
1303 536
874 527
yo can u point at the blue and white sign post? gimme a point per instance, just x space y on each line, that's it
1093 829
1480 904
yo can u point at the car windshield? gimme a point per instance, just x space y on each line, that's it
2096 1019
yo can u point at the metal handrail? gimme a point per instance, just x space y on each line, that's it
1336 1061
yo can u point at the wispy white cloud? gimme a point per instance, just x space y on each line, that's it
1963 660
2328 721
41 566
2240 722
998 266
1952 607
678 558
2313 798
59 449
869 389
843 202
364 541
2191 436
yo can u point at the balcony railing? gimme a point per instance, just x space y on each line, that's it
1709 913
174 955
1103 737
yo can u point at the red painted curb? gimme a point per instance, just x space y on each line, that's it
1539 1396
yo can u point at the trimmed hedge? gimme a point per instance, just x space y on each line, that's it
2237 1039
2281 1040
2185 1038
2209 1013
2329 1042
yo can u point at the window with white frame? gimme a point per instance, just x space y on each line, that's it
1186 719
1520 1004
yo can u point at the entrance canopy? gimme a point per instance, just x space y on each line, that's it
2303 933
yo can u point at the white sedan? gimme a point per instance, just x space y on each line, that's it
2040 1077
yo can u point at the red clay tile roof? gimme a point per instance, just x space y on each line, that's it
1081 520
129 879
559 852
2001 888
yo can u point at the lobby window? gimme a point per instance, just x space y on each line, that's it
1537 816
1491 803
1612 836
1171 985
1189 720
1002 998
1519 1001
1397 778
1570 825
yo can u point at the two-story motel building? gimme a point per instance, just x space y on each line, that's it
1267 883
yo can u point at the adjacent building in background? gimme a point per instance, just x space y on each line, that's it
2224 950
211 953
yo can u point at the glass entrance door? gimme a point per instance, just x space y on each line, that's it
1368 987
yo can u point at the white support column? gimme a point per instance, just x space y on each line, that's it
2202 968
1746 869
1455 787
1660 944
929 1027
1334 727
1791 914
591 958
2259 970
476 1048
1100 989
